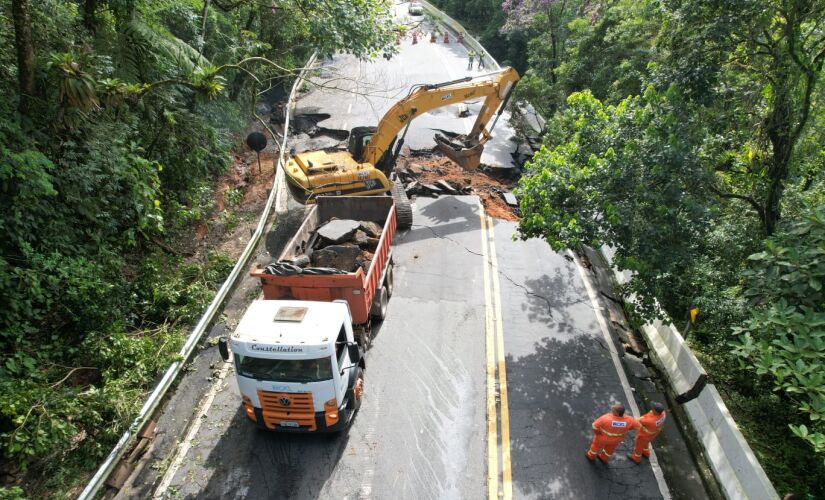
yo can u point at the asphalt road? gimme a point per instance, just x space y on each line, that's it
420 432
471 308
560 378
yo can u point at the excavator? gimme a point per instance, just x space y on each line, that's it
364 168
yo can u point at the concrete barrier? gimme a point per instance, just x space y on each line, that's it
734 464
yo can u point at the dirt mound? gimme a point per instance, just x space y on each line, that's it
427 174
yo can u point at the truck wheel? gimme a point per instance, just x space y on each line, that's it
379 304
403 209
388 281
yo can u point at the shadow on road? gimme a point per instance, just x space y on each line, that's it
443 217
550 298
249 462
555 394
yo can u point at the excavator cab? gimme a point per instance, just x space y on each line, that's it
358 138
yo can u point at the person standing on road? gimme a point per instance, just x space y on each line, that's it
472 56
481 60
651 425
609 430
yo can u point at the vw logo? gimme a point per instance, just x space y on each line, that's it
285 401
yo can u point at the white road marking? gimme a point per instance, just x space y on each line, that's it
183 447
614 356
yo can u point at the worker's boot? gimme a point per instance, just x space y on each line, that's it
604 457
646 452
590 455
635 458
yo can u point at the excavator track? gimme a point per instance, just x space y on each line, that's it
403 210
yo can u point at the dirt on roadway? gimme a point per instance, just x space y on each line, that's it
488 183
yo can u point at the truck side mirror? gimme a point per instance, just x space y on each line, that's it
354 353
223 348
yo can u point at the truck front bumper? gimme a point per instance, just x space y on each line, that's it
344 419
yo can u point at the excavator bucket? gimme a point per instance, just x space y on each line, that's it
463 152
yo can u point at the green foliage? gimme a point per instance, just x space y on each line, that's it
624 176
136 111
784 337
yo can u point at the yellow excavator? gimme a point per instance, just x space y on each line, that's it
364 168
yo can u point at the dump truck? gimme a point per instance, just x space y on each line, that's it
298 365
300 352
366 289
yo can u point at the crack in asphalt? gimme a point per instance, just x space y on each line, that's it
500 272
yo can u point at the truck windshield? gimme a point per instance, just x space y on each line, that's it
284 370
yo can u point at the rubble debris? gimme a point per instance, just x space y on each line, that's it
338 247
338 230
432 174
510 199
446 185
372 229
301 260
337 256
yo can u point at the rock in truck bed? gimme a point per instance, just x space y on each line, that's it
339 246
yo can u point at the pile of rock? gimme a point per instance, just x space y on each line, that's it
409 178
339 246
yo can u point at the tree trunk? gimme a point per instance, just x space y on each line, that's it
25 52
89 15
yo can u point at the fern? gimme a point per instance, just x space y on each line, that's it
145 46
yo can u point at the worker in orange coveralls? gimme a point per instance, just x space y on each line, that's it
652 424
610 430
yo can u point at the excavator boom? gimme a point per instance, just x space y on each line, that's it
363 169
495 88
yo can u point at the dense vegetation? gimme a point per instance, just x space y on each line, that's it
688 135
115 115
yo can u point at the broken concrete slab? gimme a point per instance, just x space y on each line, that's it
301 260
364 241
338 230
510 199
447 186
341 257
371 228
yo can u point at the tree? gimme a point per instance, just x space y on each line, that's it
784 337
625 176
25 53
757 64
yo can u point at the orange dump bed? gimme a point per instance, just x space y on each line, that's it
357 288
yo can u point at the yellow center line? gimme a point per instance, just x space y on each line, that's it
492 431
506 468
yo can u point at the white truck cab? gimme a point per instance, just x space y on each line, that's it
297 364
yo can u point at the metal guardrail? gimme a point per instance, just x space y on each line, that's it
152 403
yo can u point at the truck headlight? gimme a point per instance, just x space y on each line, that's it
331 412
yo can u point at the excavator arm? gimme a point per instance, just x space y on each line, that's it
495 88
